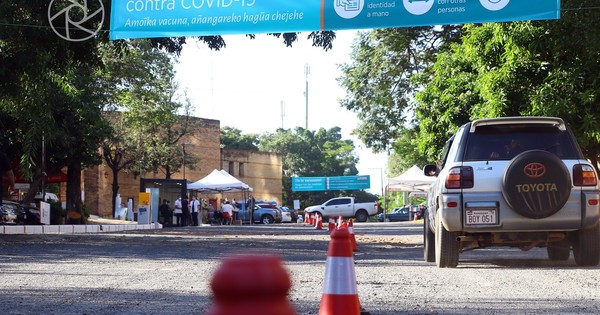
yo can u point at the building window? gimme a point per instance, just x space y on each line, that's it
241 170
231 168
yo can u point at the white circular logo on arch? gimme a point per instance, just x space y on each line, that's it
494 5
76 20
348 9
418 7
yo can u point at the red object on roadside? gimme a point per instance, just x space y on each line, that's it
251 284
331 225
340 293
352 236
319 224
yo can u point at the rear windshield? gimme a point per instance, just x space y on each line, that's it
504 142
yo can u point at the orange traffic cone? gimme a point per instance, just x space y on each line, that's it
331 225
308 218
352 236
340 294
319 224
251 285
339 221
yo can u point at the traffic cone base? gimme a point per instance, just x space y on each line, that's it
335 304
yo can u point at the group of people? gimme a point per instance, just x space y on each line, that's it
186 212
229 212
195 211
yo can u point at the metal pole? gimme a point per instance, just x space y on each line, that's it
382 189
306 73
282 112
183 145
383 193
43 166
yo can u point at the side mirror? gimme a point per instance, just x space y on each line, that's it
431 170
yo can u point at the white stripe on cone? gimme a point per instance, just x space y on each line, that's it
339 276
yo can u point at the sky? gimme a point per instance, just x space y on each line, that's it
245 84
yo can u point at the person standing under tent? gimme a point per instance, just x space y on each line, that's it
178 210
236 209
227 210
194 207
185 209
165 212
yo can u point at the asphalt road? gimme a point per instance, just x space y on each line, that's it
169 271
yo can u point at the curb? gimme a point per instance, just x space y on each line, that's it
75 229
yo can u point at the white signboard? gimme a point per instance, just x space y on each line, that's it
44 212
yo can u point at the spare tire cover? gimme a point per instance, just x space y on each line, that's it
536 184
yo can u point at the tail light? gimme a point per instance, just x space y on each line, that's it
460 177
584 175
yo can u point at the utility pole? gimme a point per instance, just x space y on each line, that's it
382 189
282 112
306 73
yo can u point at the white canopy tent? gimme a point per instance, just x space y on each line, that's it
411 180
219 182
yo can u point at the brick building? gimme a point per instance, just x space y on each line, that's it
260 170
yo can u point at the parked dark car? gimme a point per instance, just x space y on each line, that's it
270 205
17 213
8 212
29 215
264 215
398 214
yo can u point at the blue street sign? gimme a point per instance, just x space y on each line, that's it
331 183
349 182
169 18
308 183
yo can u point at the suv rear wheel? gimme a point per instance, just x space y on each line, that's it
586 246
446 245
428 241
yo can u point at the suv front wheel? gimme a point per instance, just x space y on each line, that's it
446 245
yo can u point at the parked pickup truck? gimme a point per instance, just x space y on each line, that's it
345 207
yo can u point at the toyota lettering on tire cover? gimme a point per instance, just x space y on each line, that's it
536 184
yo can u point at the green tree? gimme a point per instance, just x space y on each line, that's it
379 80
234 139
520 68
311 153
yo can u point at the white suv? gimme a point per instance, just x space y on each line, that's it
514 181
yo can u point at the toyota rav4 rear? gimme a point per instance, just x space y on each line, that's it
513 181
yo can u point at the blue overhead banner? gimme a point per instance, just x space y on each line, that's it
173 18
308 183
331 183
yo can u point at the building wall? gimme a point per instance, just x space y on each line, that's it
262 171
